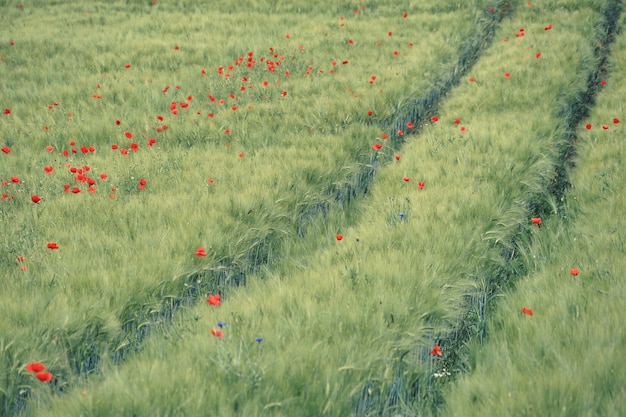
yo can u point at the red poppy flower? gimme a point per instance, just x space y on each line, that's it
339 236
377 146
507 75
603 82
548 27
49 148
117 122
605 127
35 367
588 126
6 150
133 146
470 79
457 121
284 94
536 220
129 135
396 53
127 66
203 72
615 120
370 113
227 131
124 151
491 10
463 129
421 185
104 177
405 15
406 179
35 198
527 311
210 180
241 154
15 179
44 376
574 271
200 252
7 111
397 157
538 54
400 133
217 333
384 136
75 190
214 300
52 245
410 125
114 147
436 350
434 119
151 141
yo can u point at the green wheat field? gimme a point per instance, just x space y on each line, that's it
330 208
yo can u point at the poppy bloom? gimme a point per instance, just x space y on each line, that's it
52 245
507 75
151 141
241 154
574 271
436 350
35 367
538 54
527 311
603 82
470 79
397 157
127 66
384 136
214 300
548 27
104 177
44 376
588 126
377 146
410 125
434 119
217 333
6 150
35 198
117 122
49 148
615 120
400 133
129 135
7 111
605 127
15 179
339 236
369 113
200 252
536 220
405 15
75 190
421 185
406 179
457 121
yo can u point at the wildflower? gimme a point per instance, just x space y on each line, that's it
421 185
536 220
221 324
410 125
527 311
434 119
574 271
52 245
200 251
397 157
588 126
75 190
127 66
457 121
214 300
129 135
548 27
384 136
605 127
7 111
507 75
377 146
49 148
471 79
406 179
370 112
35 198
537 55
44 376
35 367
259 339
6 150
151 141
615 120
436 350
339 236
15 179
